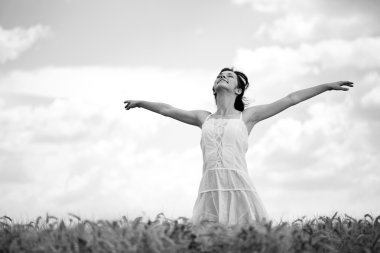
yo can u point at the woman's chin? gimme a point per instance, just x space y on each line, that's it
222 84
221 87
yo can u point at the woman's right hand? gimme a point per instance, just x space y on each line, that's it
130 104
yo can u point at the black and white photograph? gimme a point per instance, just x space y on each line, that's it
252 120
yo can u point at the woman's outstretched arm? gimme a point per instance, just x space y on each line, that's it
151 106
194 117
301 95
261 112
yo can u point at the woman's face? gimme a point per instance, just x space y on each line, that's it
226 80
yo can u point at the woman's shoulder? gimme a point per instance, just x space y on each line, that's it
203 115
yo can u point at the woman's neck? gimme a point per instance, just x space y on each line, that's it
225 103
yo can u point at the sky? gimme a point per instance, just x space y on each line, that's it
67 145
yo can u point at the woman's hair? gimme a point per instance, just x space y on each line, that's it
242 80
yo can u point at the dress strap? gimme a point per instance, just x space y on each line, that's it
241 115
208 116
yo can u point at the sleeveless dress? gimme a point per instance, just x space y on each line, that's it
226 193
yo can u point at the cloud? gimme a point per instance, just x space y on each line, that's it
300 28
323 156
289 29
372 98
66 130
295 22
270 6
308 7
15 41
309 59
318 151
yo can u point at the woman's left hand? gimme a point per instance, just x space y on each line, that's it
339 85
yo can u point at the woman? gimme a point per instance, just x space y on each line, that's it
226 194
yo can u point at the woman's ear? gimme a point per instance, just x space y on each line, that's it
238 91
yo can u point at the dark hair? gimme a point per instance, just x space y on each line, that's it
243 84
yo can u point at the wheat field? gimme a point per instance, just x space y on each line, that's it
72 234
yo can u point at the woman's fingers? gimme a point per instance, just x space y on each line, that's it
348 83
340 84
129 104
345 83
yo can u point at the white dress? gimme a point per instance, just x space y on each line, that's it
226 193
